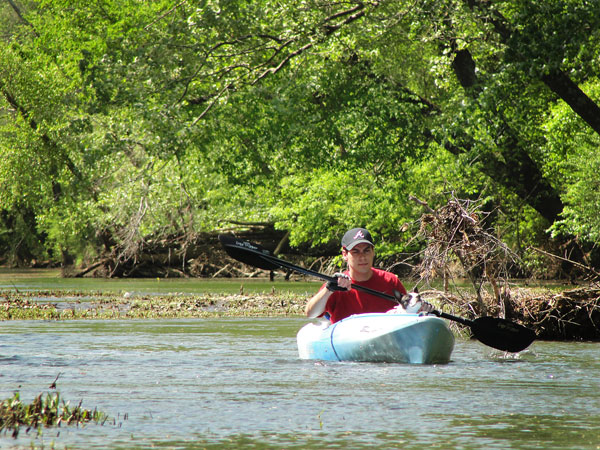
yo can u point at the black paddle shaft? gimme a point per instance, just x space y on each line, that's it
495 332
257 256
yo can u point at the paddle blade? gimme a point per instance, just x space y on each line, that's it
247 252
502 334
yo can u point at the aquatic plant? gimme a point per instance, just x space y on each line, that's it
42 305
48 411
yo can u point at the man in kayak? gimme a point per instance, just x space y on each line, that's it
338 300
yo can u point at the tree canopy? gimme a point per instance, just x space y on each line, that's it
122 121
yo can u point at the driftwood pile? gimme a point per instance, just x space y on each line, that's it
568 315
193 255
572 315
455 233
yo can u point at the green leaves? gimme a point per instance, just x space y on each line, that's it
319 206
44 411
151 118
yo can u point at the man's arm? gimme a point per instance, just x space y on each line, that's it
316 305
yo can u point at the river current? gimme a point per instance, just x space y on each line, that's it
238 383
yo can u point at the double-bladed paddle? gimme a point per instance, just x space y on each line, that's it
495 332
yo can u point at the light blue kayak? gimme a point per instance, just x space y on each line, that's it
378 337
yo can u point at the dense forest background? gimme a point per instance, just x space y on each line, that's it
130 127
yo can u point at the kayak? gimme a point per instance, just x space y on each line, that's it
378 337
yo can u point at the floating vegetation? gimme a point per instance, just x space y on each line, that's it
45 411
67 305
552 313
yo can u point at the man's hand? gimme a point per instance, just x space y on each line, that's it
425 308
342 283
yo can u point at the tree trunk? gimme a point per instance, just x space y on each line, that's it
558 81
579 102
514 168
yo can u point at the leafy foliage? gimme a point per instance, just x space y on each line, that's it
122 121
573 160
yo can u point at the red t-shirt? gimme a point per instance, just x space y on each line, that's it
341 304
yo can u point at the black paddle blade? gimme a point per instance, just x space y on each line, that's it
502 334
247 252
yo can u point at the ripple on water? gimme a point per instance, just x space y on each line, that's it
237 382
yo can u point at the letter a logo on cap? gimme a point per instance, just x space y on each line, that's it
356 236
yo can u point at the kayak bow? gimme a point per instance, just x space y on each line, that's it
378 337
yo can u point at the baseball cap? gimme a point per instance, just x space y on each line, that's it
356 236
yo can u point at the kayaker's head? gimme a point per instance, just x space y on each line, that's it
356 236
358 252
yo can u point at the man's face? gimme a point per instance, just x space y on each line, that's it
360 258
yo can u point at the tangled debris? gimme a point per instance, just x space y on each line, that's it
572 315
177 256
568 315
455 232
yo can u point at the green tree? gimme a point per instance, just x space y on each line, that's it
140 120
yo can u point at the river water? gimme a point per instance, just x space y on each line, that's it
238 383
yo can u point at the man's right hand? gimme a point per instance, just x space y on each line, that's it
342 283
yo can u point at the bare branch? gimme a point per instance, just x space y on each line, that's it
455 232
211 104
164 15
575 263
17 11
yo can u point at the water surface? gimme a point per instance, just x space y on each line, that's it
237 383
50 279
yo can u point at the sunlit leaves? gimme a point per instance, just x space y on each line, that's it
572 160
155 118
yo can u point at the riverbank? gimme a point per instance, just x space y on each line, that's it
553 314
69 305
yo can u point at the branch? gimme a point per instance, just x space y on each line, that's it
211 104
21 18
575 263
283 63
48 142
557 81
164 15
353 14
423 203
329 29
560 83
